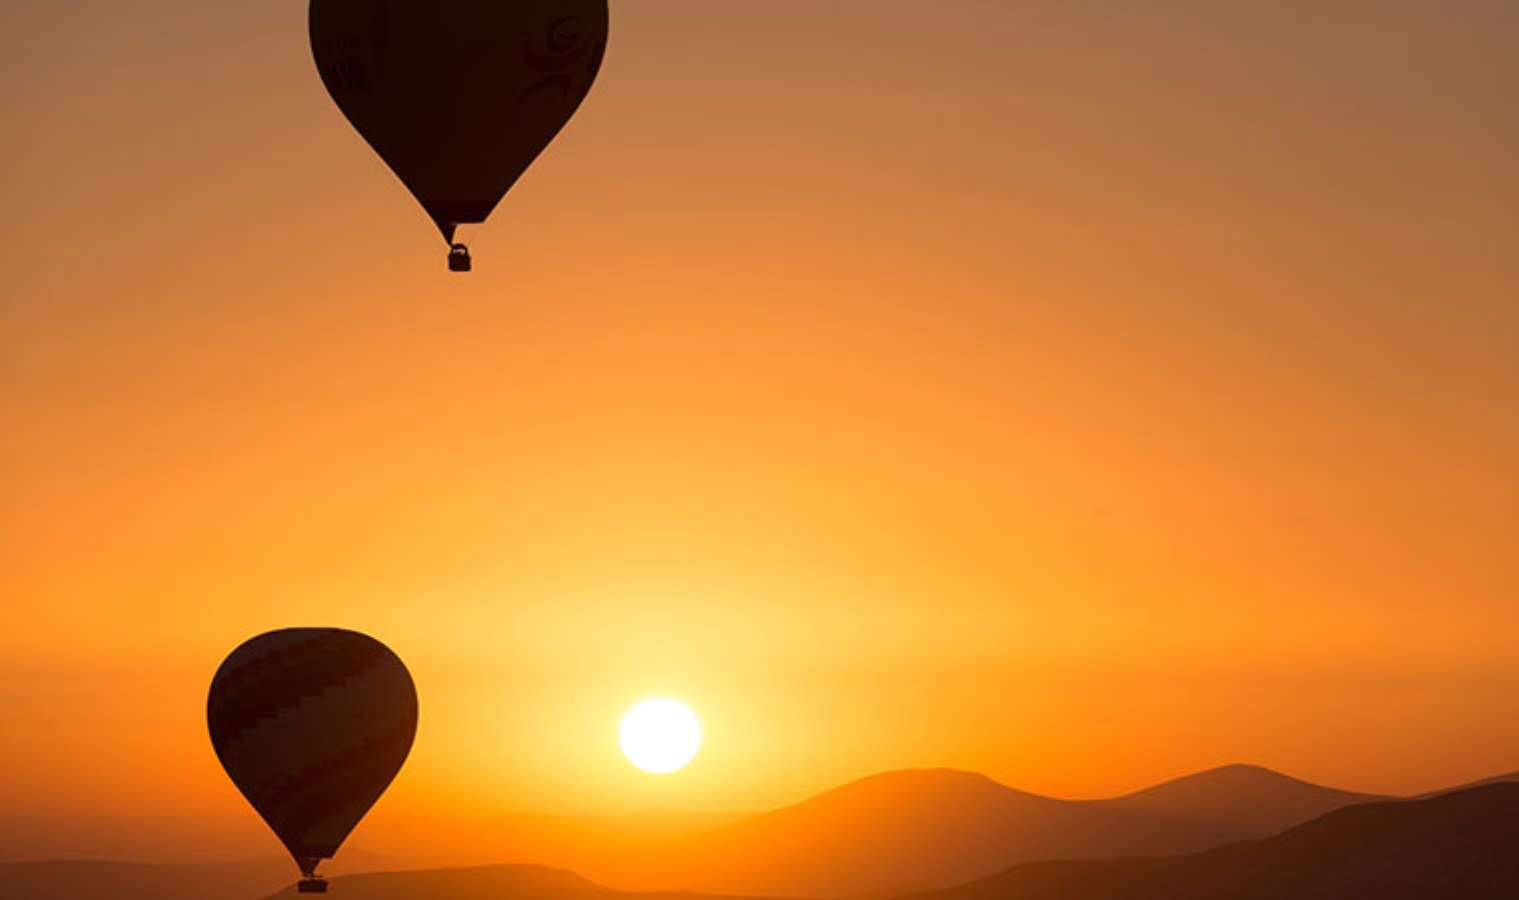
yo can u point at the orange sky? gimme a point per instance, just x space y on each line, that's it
1080 397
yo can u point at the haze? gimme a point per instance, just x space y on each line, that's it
1075 396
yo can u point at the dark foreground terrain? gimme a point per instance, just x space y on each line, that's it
1461 846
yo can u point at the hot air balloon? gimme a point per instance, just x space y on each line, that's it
312 724
458 97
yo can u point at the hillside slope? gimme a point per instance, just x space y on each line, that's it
1460 846
935 828
72 880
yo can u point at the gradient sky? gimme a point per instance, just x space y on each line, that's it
1080 393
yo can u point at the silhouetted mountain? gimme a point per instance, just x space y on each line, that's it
479 883
873 835
1239 799
150 837
606 848
878 837
1510 778
1460 846
88 880
482 883
942 827
65 880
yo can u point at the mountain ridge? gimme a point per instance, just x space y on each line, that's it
1454 846
877 836
944 826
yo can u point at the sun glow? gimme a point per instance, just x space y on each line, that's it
660 736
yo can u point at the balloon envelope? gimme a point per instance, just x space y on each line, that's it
312 724
458 96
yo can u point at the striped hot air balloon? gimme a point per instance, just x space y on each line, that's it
312 724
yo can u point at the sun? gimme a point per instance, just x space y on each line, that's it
660 736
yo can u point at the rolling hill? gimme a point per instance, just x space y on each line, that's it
917 829
1510 778
1239 799
476 883
1460 846
880 836
72 880
88 880
482 883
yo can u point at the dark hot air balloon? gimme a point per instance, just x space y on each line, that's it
458 96
312 724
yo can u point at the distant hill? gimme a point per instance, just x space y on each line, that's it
941 827
481 883
1460 846
610 849
1239 799
478 883
65 880
881 836
148 837
1510 778
88 880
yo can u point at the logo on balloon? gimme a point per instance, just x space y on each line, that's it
458 98
563 46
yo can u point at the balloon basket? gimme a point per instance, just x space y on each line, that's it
312 886
458 259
